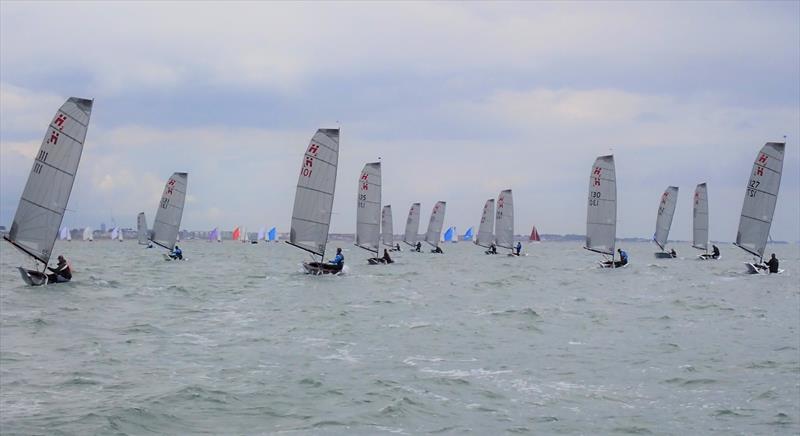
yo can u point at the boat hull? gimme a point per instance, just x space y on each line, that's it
32 277
707 257
753 268
319 268
663 255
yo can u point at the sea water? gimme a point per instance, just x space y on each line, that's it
236 340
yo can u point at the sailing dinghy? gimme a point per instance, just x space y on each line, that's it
88 235
43 203
469 234
170 212
142 234
368 213
700 222
387 229
485 236
435 226
758 208
601 212
412 225
313 200
535 235
666 210
504 221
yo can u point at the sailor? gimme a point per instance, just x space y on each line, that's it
150 244
623 258
437 250
519 248
176 253
397 247
493 249
715 254
772 264
419 246
61 273
338 260
673 253
386 257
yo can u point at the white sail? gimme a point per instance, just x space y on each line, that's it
87 234
261 234
368 212
504 220
435 224
141 229
170 211
412 225
44 199
243 235
313 200
69 234
64 233
601 214
666 210
114 233
485 236
700 218
387 227
760 198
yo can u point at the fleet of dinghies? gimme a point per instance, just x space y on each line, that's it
37 222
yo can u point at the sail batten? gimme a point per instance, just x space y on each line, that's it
760 198
601 213
412 225
166 224
435 224
43 202
485 236
313 200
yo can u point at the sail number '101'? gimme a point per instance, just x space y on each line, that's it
594 198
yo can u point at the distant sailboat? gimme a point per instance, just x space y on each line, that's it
44 200
88 234
700 222
169 213
387 229
368 212
535 235
213 235
435 226
114 233
758 208
142 234
601 212
64 236
468 235
243 236
273 235
412 225
313 200
262 234
237 234
485 236
449 234
666 210
504 221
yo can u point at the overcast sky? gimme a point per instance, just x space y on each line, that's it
460 100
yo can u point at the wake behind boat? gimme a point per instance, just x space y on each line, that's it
44 200
313 201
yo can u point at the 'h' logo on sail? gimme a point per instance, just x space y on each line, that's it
59 122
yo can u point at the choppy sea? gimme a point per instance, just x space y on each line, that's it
236 340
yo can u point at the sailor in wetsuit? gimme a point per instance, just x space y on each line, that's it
672 253
519 248
715 254
338 260
437 250
419 246
386 257
623 258
397 247
176 253
492 249
61 273
773 264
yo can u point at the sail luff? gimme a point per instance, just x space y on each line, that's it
313 200
760 198
435 224
700 218
601 212
387 227
666 210
167 222
43 202
485 236
504 219
368 203
412 225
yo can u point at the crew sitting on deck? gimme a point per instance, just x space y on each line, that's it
519 248
338 260
673 253
437 250
772 264
397 247
623 258
492 249
176 253
386 257
419 246
715 254
62 273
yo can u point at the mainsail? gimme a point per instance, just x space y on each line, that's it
64 233
468 235
261 234
273 234
368 214
170 211
213 235
504 220
435 224
141 229
412 225
114 233
535 235
43 203
760 197
387 228
313 200
601 213
237 234
700 218
666 209
87 234
448 235
485 236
